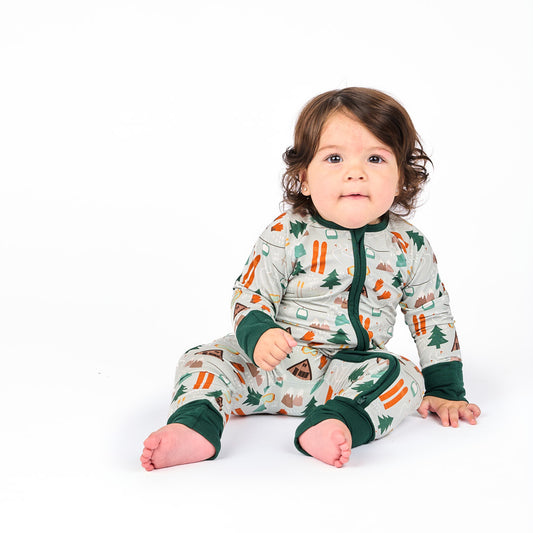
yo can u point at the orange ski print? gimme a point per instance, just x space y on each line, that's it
319 262
250 274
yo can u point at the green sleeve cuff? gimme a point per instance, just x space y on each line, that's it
251 327
445 380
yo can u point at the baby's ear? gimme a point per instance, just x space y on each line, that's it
399 186
304 188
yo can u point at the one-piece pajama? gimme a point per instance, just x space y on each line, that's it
336 291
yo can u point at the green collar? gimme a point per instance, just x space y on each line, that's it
381 225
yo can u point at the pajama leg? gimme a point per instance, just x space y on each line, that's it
214 381
400 399
370 393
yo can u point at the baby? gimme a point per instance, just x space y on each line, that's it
316 302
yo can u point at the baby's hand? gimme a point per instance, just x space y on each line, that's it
272 347
449 411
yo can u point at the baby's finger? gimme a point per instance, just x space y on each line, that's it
453 414
263 365
423 409
267 362
278 353
474 409
290 339
283 343
444 416
467 414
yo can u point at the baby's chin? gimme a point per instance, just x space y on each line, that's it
353 222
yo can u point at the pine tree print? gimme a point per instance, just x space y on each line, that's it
331 280
298 269
217 395
397 280
437 337
187 375
297 228
417 239
340 337
196 347
364 387
182 390
357 373
309 408
254 398
384 423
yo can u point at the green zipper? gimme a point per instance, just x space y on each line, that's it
354 297
383 383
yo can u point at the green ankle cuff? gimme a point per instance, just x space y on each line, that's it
203 418
345 410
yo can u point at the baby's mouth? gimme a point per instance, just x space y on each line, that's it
355 196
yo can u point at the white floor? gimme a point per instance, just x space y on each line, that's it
75 432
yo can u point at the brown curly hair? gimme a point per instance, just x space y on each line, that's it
383 116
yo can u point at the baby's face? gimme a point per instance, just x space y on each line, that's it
353 177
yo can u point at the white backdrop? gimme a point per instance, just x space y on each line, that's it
133 136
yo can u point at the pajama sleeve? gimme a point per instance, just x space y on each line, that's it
426 307
258 291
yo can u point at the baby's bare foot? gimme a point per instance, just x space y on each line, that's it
173 445
329 441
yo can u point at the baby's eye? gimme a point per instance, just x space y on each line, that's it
376 159
334 158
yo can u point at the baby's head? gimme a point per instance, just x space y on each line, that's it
386 120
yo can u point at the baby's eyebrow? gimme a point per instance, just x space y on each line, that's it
382 147
339 148
328 147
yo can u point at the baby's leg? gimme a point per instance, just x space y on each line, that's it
398 398
365 399
211 381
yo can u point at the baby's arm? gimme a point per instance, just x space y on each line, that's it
449 411
272 347
426 307
258 293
